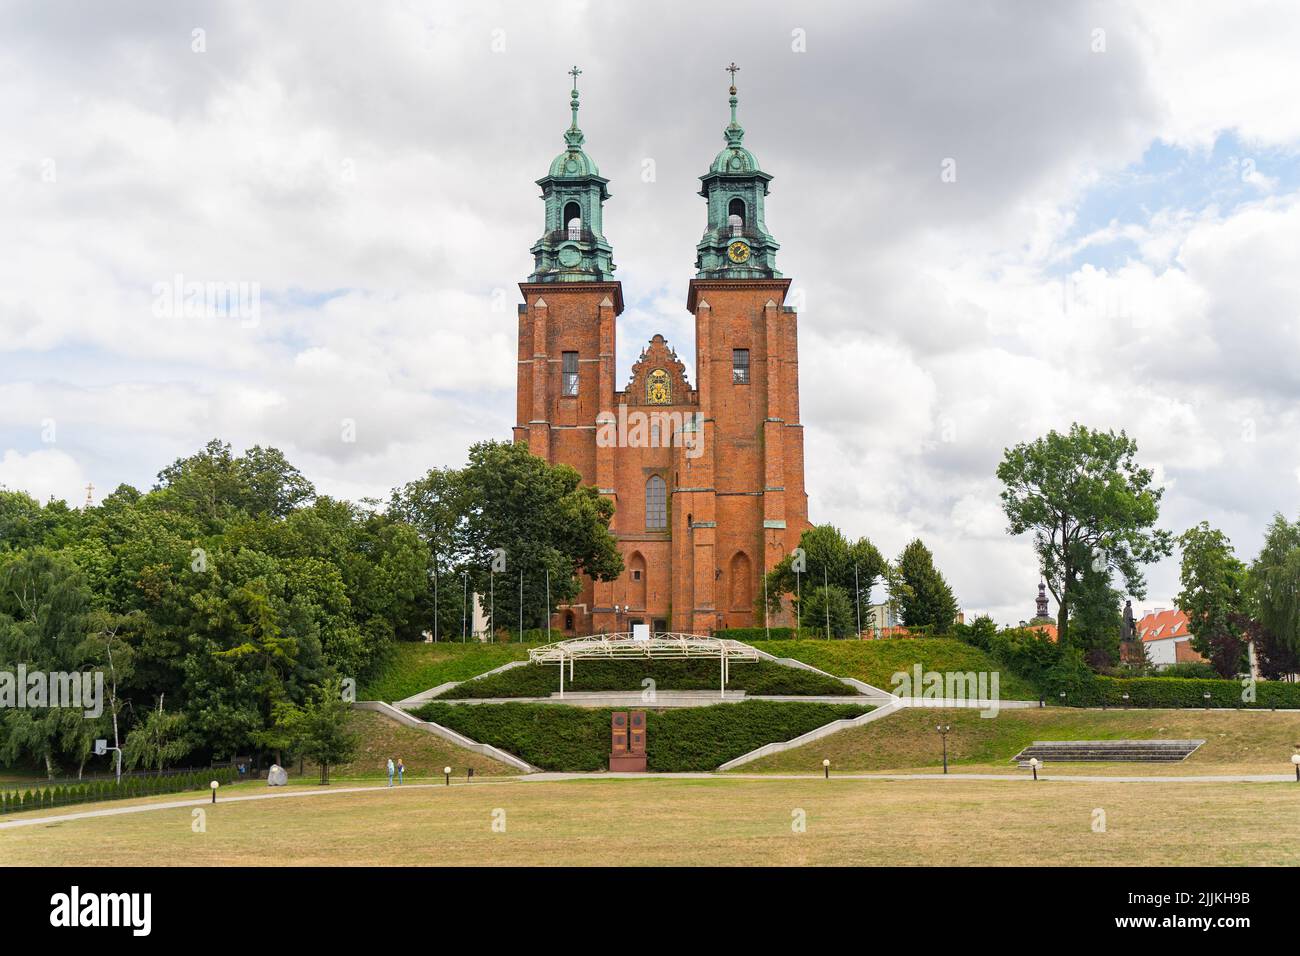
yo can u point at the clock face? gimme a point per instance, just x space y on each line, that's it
569 256
657 389
738 252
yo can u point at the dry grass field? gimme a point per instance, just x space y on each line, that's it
715 821
1236 742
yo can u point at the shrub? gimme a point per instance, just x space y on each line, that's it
1192 669
1181 692
556 737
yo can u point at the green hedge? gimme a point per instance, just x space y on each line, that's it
45 798
1179 692
556 737
755 677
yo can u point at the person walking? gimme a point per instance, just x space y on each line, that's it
401 771
390 771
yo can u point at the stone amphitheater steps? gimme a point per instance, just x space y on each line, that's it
1130 751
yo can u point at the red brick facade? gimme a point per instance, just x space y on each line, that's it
729 453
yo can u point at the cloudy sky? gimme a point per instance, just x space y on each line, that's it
1119 246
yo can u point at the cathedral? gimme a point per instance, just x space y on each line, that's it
706 479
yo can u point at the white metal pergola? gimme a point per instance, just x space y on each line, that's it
663 646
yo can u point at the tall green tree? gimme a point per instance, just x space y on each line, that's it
1274 583
1096 618
44 603
1213 597
1087 502
518 514
825 557
923 597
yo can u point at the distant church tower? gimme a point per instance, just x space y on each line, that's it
711 493
1040 605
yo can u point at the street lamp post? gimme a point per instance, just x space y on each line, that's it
446 772
214 786
1033 765
944 730
826 768
464 605
1295 759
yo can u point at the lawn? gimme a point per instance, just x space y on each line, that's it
719 821
424 754
877 661
414 667
1236 741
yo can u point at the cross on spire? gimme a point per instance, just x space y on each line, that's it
733 70
575 73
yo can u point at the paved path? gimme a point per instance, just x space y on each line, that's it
545 777
207 801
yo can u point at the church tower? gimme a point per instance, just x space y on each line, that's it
706 481
566 323
742 503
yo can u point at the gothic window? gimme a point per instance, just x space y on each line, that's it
740 366
570 372
656 504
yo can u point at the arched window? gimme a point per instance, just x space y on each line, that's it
568 620
573 220
741 583
656 504
736 216
635 592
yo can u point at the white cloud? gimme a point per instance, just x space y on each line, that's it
372 170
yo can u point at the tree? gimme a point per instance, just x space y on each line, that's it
318 729
923 597
829 607
1087 502
44 601
1274 583
1096 621
1213 597
157 741
519 513
826 557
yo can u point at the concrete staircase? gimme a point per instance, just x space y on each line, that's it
1122 751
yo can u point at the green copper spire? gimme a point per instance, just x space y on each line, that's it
572 248
736 243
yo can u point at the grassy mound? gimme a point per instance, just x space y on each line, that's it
757 677
380 738
555 737
414 667
1234 742
877 661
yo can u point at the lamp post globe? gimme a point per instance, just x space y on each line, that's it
214 786
1295 761
826 768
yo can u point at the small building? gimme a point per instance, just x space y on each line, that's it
1165 635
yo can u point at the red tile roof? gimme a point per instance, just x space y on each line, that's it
1163 625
